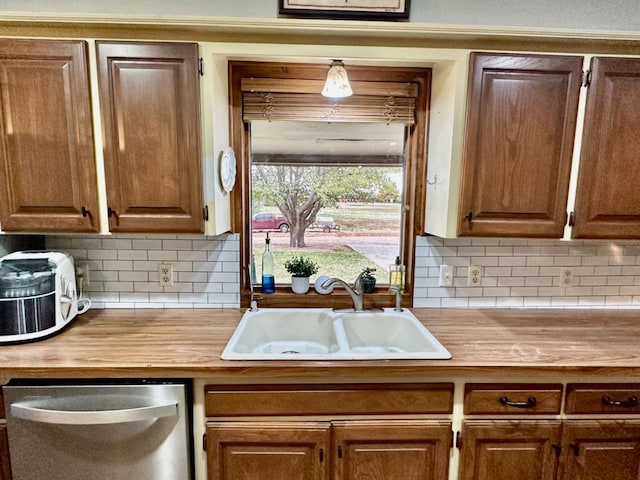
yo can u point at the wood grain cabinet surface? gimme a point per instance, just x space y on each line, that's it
348 432
150 104
47 165
520 129
512 399
599 438
268 450
600 449
607 195
510 449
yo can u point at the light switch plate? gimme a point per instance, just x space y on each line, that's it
446 276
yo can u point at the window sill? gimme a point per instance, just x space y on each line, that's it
285 298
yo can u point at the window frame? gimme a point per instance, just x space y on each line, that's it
414 177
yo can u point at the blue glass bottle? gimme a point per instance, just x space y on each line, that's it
268 277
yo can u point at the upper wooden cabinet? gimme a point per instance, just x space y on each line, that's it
47 164
607 196
520 129
150 104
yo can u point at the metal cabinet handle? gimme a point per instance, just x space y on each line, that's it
97 417
628 403
530 403
85 212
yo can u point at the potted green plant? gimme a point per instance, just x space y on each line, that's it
368 279
300 268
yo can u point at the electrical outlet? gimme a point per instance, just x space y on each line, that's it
82 272
446 276
165 274
474 278
566 277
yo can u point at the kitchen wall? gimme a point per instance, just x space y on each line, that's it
622 15
516 272
526 273
123 269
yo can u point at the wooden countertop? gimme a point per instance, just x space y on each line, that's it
483 342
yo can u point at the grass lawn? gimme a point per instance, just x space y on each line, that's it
349 263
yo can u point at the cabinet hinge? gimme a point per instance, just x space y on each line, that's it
205 213
458 440
571 220
586 78
201 66
204 442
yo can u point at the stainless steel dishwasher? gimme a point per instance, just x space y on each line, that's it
99 430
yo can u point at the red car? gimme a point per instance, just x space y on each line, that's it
269 221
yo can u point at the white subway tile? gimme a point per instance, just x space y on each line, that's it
146 244
509 302
117 265
102 254
116 244
512 261
168 256
132 255
134 297
540 261
482 302
177 245
454 302
471 251
121 287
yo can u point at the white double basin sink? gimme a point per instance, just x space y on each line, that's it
324 334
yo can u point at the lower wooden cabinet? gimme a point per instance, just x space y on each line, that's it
501 444
380 450
607 449
510 449
329 432
339 450
268 450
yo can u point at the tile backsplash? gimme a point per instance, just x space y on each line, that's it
515 272
526 273
123 269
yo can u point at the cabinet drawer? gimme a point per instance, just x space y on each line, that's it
609 398
261 400
512 399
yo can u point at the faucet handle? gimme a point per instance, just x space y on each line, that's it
396 290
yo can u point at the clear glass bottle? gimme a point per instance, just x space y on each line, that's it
268 277
396 275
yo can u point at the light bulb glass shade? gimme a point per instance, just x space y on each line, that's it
337 84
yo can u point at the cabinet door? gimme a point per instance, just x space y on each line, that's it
607 196
605 449
47 164
521 120
267 451
507 450
381 450
149 97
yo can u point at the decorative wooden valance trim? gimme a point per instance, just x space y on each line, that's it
315 107
282 85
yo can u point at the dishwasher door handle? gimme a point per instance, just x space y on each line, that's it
97 417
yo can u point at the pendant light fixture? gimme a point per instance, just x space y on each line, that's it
337 84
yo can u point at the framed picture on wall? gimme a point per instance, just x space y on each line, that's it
346 9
